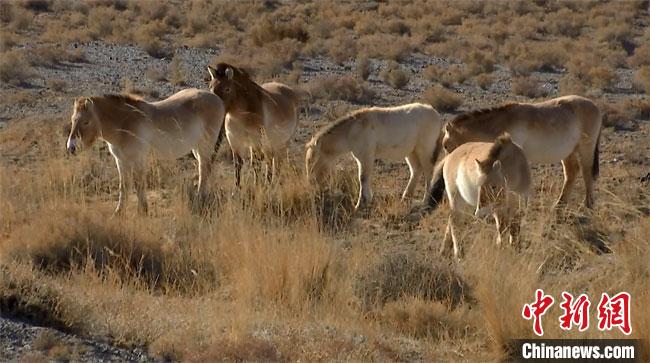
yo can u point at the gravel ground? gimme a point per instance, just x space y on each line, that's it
20 341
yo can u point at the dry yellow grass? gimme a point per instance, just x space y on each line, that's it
276 267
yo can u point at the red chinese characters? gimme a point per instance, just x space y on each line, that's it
576 312
615 312
537 309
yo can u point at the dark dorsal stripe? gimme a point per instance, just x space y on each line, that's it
477 115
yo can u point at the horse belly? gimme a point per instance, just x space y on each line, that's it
395 144
548 147
467 190
172 145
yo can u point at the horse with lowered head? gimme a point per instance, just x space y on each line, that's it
408 132
259 119
483 178
190 120
565 128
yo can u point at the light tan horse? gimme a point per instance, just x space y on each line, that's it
482 178
565 128
406 132
190 120
259 119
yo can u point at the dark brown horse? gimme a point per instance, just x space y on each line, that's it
259 119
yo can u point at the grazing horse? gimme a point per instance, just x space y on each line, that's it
408 132
190 120
485 178
565 128
259 119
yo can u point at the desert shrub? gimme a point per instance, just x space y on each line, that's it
100 21
153 46
363 67
198 19
571 85
601 76
47 56
399 27
642 79
526 86
75 240
399 275
484 80
433 72
57 85
15 68
442 99
641 56
16 16
420 318
566 23
268 30
640 108
479 62
345 88
394 75
176 72
455 74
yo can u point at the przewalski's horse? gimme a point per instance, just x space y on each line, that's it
190 120
408 132
259 119
565 128
482 178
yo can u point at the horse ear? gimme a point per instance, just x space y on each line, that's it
212 72
496 166
83 102
230 73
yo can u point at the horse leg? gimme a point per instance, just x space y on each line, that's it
448 241
205 168
365 164
237 162
502 225
139 180
586 156
416 171
121 172
427 172
571 167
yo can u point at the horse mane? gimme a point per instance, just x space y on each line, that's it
499 144
471 117
127 98
327 129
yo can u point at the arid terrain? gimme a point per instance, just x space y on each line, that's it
279 271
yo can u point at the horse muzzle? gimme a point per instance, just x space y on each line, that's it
71 146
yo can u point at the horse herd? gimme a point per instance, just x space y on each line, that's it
486 170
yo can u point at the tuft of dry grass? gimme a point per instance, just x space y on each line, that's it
118 248
484 81
395 76
399 275
341 88
363 67
176 73
15 68
527 86
642 79
442 99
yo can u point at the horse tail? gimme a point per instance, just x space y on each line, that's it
217 144
437 190
437 148
595 168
